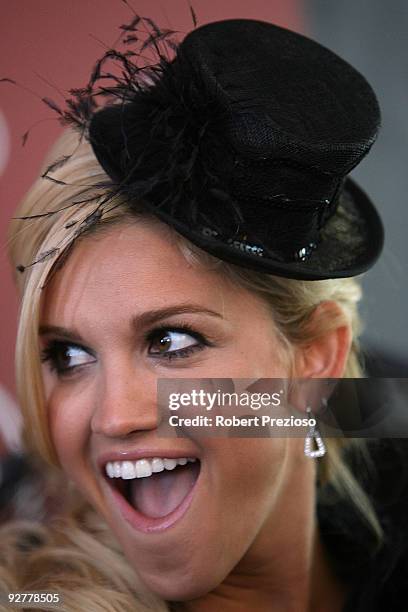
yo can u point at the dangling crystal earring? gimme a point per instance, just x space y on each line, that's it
314 435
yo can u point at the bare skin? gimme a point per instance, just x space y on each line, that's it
249 540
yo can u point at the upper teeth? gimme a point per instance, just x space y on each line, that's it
143 467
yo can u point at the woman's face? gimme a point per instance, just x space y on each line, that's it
126 309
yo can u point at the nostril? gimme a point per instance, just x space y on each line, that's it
120 423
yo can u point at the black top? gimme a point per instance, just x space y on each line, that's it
377 575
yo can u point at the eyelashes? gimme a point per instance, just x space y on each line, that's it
163 343
58 354
161 339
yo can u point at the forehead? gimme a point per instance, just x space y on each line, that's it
130 268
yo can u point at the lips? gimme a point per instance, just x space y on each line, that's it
152 493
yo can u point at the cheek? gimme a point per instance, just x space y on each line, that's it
69 424
256 467
257 464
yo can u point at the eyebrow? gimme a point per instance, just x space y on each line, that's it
143 320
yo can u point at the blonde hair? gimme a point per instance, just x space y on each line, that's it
292 303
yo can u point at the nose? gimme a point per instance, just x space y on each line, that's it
125 403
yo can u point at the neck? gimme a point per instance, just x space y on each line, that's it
286 569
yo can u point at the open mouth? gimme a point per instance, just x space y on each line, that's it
153 492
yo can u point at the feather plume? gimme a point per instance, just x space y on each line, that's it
164 120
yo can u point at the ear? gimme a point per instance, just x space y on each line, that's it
326 355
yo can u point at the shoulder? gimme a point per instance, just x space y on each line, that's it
377 574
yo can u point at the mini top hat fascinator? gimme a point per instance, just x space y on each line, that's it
243 143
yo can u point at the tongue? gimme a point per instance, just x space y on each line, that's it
159 494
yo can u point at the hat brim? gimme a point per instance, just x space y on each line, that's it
351 242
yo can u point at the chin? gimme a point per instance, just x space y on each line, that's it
180 586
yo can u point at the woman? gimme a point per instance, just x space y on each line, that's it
200 227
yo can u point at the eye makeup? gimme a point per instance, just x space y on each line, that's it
58 353
65 357
162 339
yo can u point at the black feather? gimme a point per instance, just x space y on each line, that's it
153 26
70 224
53 180
132 26
130 39
193 15
168 170
41 258
56 164
52 105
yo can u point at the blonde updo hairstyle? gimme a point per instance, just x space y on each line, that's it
292 303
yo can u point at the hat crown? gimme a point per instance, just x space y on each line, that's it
287 95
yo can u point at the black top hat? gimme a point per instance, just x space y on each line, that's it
243 143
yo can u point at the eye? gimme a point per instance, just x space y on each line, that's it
175 342
64 357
